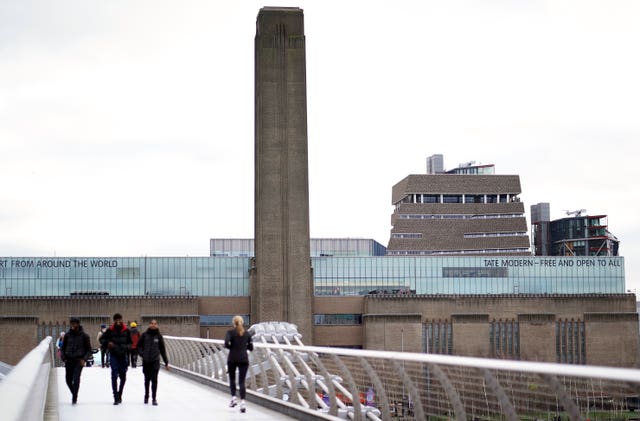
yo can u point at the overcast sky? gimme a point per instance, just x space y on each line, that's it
126 127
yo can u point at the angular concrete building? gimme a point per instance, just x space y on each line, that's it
282 289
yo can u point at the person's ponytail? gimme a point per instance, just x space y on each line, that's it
238 323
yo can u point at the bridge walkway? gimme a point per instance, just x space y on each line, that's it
178 399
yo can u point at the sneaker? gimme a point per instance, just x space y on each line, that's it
154 402
233 402
146 399
243 409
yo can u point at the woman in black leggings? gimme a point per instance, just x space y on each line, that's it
238 342
151 348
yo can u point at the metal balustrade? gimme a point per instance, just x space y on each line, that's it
382 385
23 390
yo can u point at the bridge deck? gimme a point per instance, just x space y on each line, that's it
178 399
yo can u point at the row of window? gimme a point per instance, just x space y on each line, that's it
214 277
437 337
221 319
337 319
495 234
449 252
460 198
407 235
478 272
570 342
460 216
504 339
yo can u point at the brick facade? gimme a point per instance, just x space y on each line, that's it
610 321
25 319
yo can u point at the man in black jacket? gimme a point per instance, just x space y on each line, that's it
75 351
151 347
117 340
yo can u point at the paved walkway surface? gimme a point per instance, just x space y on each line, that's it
179 399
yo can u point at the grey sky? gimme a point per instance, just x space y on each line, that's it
126 127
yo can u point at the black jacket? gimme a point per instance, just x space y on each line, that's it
76 345
151 346
238 346
118 341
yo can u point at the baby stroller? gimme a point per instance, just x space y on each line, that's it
90 361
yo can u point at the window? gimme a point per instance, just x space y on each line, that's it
475 272
337 319
452 198
504 339
438 337
406 235
221 319
494 234
570 341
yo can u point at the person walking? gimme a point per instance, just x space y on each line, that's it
59 346
135 336
151 348
75 351
104 352
117 339
238 342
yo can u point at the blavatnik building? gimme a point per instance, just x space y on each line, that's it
456 278
466 211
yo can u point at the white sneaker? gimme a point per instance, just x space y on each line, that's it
233 402
242 408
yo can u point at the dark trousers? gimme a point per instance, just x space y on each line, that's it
150 370
119 367
73 369
242 373
133 357
104 357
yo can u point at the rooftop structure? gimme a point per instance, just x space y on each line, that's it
577 235
435 165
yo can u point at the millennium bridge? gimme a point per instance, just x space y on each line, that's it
288 380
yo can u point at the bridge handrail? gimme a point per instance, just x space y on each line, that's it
587 371
23 390
415 384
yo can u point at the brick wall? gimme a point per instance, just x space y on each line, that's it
470 333
393 332
21 317
612 339
537 337
18 336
